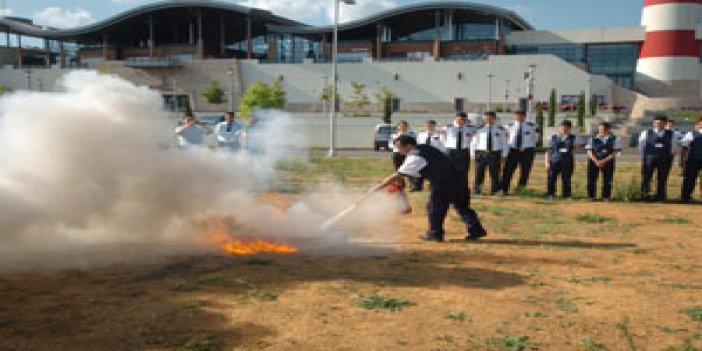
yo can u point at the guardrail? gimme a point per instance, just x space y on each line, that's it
153 62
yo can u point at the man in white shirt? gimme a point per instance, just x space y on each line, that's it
523 137
229 132
431 136
489 149
657 147
192 132
457 138
447 187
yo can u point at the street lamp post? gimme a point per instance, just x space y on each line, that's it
507 82
530 91
489 104
230 74
29 79
335 78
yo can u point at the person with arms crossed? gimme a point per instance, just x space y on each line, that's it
447 187
191 132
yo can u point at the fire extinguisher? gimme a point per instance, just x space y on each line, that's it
397 192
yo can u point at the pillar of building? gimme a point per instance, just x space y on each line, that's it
105 47
62 54
20 54
249 41
200 36
47 53
152 37
379 42
272 49
222 36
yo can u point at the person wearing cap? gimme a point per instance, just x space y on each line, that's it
431 136
560 160
229 132
657 148
691 160
523 137
447 187
602 150
489 149
457 139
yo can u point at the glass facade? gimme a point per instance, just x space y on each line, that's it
294 49
476 31
616 61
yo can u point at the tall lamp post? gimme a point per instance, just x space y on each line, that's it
230 74
335 78
530 91
489 104
507 94
29 79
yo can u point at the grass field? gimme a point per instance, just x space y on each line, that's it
552 275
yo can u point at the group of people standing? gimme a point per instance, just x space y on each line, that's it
500 150
230 133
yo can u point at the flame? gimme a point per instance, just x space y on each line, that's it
219 233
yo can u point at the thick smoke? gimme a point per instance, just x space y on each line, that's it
91 175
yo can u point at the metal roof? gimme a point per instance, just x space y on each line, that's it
285 24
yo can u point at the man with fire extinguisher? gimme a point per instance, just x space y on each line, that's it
447 187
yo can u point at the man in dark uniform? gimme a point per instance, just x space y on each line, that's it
523 137
560 160
691 160
447 187
657 147
602 149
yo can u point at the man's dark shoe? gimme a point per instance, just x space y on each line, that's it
428 237
476 234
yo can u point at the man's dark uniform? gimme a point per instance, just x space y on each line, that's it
561 162
601 149
447 187
693 165
657 157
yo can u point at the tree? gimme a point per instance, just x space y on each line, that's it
540 120
581 109
594 104
3 90
325 94
360 98
552 108
213 93
262 95
384 97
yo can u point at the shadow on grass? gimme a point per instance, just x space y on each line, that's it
560 244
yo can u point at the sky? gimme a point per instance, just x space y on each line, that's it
542 14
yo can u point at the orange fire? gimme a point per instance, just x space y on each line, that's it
219 232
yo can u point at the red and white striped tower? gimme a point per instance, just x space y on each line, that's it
669 59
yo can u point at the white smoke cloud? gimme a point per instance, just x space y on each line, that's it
88 175
6 12
63 18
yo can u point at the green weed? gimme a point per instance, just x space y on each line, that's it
695 313
670 219
566 305
594 218
589 344
459 316
624 327
380 302
510 343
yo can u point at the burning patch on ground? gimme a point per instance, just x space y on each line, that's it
222 232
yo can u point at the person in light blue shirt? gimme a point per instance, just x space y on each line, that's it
192 132
229 132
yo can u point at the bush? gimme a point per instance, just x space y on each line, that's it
262 95
628 192
213 93
552 108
